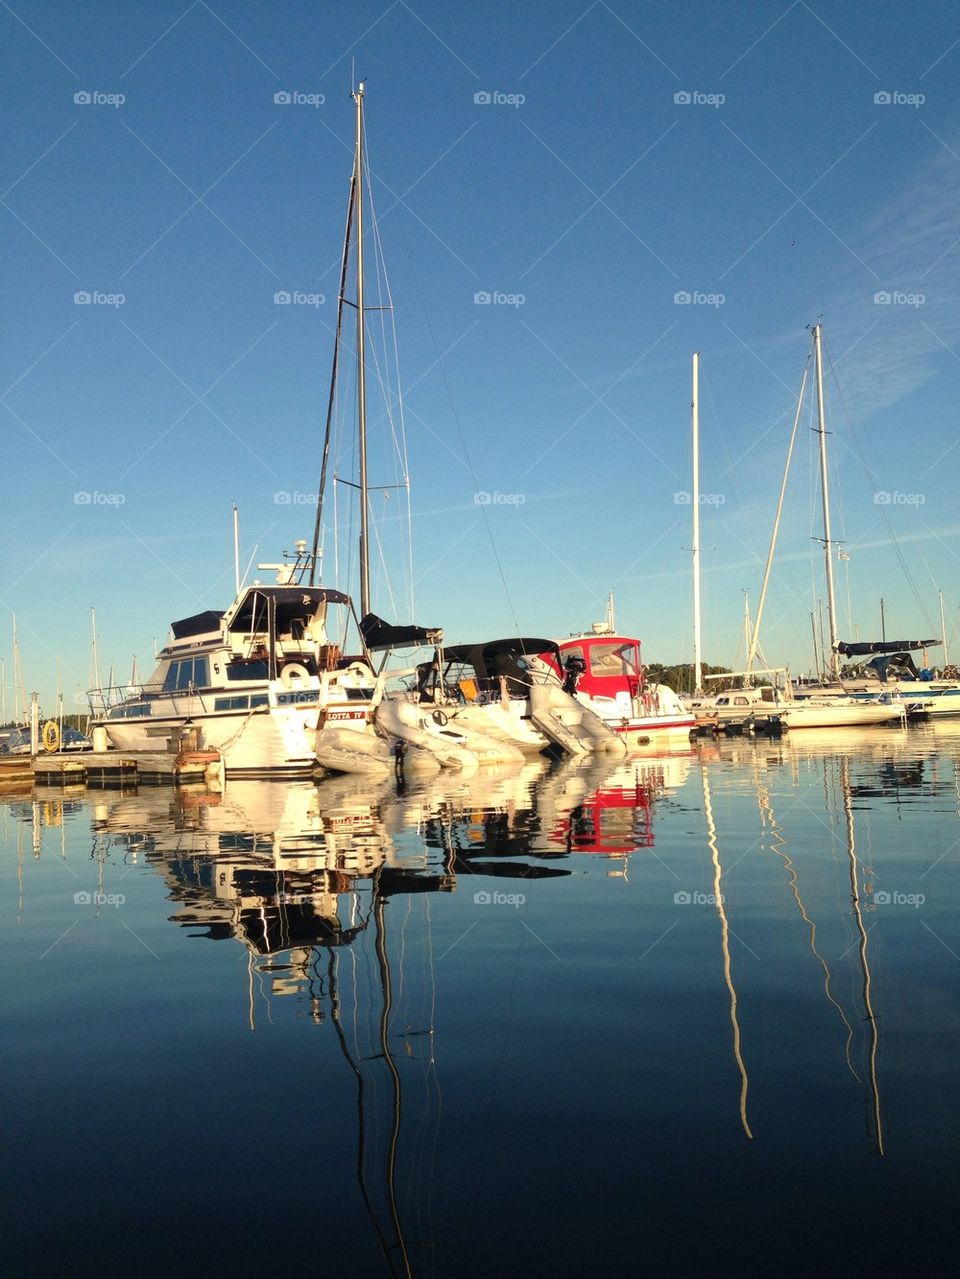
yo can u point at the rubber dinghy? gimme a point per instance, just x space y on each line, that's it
349 750
452 744
569 724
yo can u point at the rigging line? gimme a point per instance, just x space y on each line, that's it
837 495
333 378
874 481
383 564
401 446
463 443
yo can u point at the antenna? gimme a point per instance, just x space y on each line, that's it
236 548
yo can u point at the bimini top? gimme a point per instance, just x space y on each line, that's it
868 647
292 603
498 657
378 634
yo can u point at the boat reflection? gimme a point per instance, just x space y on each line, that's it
284 869
302 875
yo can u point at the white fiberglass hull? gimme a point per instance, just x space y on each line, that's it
655 728
508 722
932 703
268 741
833 714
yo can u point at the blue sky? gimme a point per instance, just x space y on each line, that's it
587 186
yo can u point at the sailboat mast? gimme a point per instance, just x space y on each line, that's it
943 630
825 492
695 502
361 373
94 659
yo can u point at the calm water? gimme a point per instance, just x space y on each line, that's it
699 1013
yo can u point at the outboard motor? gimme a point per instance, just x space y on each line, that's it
574 668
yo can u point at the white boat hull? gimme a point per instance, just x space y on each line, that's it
834 715
268 741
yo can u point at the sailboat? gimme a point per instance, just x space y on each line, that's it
431 722
283 680
818 710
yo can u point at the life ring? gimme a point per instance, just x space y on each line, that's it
50 740
293 675
359 669
439 718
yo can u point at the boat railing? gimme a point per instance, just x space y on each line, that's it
104 702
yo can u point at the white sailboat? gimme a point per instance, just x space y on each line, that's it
819 710
439 725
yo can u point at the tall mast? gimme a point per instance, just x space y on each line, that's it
943 630
824 489
95 660
361 373
695 502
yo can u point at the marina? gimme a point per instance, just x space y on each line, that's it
740 954
465 808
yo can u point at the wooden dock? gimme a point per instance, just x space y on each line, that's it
108 769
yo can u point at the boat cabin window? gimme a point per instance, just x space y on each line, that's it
130 712
617 659
573 650
247 670
189 672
